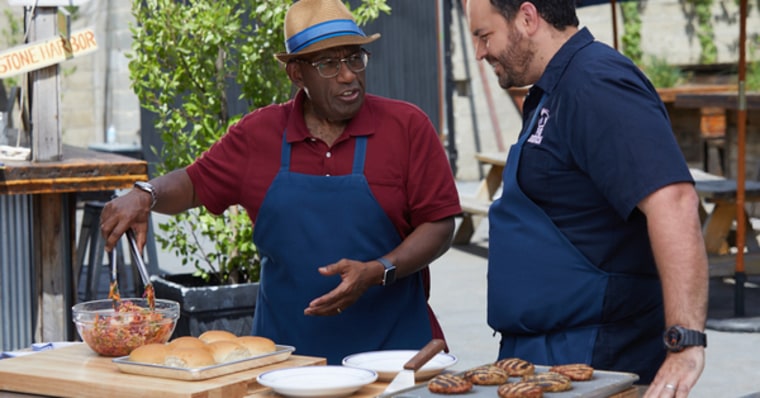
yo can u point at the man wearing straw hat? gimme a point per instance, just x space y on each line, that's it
351 196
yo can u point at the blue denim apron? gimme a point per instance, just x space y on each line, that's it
308 221
549 302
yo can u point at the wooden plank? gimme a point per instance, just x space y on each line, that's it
726 100
475 206
77 371
473 210
47 52
493 179
80 170
716 228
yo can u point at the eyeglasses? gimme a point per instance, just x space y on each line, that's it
330 67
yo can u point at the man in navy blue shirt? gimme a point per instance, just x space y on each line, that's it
595 248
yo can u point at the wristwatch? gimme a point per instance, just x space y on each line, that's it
390 271
678 337
149 188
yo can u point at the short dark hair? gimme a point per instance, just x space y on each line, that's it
559 13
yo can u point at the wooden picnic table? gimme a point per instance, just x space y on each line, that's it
53 186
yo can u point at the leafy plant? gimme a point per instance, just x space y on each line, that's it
661 73
702 9
631 39
12 35
753 67
186 55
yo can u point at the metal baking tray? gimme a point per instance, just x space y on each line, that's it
602 385
281 353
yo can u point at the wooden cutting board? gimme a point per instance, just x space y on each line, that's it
77 371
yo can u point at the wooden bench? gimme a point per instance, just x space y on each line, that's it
475 207
473 210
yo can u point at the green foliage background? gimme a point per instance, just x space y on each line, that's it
185 56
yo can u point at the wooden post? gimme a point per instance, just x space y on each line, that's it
45 100
53 254
53 259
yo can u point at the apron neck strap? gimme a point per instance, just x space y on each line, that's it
534 117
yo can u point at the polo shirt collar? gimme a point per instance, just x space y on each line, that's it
557 65
361 124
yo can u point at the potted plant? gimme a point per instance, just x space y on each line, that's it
187 58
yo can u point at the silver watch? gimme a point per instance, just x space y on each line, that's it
149 188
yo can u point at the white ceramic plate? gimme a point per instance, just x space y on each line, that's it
388 363
317 381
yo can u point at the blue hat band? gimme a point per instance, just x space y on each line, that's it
322 31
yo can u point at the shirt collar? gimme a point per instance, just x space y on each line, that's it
361 124
557 65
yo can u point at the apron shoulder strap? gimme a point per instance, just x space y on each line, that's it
285 152
360 150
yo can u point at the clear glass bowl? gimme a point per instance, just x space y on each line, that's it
116 333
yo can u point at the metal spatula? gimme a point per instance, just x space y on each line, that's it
405 378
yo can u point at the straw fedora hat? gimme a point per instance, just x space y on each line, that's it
314 25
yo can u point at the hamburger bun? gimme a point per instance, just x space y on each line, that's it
227 351
256 345
187 342
189 358
154 353
210 336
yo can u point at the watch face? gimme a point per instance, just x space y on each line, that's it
674 338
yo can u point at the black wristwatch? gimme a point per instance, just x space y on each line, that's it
390 271
149 188
678 337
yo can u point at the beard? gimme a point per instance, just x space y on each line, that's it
514 63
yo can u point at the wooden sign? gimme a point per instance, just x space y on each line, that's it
41 54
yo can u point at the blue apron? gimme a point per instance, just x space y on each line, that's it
550 303
308 221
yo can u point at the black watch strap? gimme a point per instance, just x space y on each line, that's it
694 338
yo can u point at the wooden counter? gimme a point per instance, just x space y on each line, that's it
77 371
53 186
80 170
724 99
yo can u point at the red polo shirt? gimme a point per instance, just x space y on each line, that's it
406 166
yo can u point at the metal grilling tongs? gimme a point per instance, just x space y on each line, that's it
149 293
113 289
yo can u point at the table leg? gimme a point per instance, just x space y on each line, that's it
717 226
